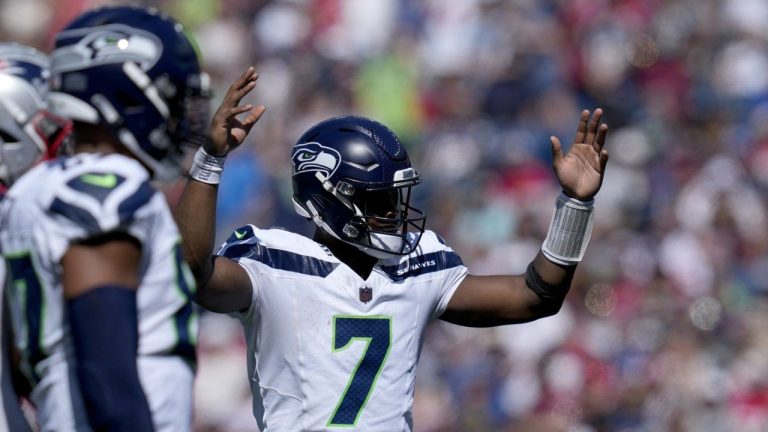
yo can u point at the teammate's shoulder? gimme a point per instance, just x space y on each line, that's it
113 167
84 172
101 177
91 191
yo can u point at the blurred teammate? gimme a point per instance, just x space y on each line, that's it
28 134
334 324
100 294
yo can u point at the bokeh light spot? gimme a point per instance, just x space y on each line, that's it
706 313
600 300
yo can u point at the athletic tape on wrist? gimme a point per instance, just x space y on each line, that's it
206 168
569 231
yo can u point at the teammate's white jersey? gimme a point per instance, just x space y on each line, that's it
327 349
57 204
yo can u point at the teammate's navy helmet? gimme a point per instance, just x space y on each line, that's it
352 176
135 71
28 132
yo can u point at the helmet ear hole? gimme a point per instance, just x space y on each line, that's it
6 137
321 202
128 101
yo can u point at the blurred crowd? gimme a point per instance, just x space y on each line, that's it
666 325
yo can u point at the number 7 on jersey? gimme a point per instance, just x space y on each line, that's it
376 332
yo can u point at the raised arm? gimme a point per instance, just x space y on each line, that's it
482 301
223 286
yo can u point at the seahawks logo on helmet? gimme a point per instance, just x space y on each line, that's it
114 43
312 156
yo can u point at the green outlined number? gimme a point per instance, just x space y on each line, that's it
376 332
185 319
27 292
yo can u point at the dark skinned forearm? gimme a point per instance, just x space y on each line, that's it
484 301
196 217
556 275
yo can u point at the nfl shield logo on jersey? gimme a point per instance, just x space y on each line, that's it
366 294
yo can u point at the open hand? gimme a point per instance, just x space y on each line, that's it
227 130
580 172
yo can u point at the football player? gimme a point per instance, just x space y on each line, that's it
28 135
99 292
335 323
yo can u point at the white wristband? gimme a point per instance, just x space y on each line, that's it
206 168
569 231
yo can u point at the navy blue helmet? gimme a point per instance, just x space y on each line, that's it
135 71
353 178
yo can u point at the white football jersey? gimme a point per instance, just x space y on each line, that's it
57 204
11 416
327 349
